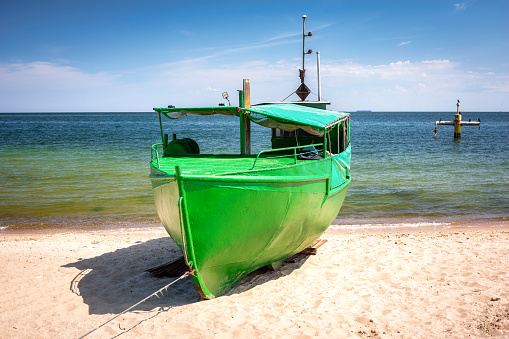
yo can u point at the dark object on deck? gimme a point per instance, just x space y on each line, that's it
310 156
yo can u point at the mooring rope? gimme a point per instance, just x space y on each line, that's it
141 301
288 96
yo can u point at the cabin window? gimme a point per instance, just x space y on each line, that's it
346 134
306 134
282 134
338 138
343 139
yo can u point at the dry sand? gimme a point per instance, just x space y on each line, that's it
451 284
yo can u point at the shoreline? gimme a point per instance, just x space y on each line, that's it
419 225
436 284
339 225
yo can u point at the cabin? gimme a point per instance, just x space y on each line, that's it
337 139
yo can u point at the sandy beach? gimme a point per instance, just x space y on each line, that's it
438 284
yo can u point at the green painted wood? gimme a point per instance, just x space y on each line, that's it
235 223
232 214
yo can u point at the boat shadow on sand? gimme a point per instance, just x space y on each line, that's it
114 281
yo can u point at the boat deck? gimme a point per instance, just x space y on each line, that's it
223 164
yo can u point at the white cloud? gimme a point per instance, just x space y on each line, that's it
394 70
403 43
41 74
460 6
45 86
399 85
185 32
406 85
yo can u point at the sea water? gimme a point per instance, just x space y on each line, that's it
91 169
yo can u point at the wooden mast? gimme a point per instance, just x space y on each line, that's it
247 123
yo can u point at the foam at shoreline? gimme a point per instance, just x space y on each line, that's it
340 225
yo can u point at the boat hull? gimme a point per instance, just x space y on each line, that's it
228 226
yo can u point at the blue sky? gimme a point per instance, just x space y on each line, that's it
80 56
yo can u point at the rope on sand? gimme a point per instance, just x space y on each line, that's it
141 301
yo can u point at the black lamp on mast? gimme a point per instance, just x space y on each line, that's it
303 90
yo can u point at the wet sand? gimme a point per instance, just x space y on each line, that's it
433 284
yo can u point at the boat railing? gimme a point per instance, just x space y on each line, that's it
154 153
284 149
157 148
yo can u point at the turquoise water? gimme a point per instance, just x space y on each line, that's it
89 169
402 172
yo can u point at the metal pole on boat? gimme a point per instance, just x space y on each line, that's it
246 88
161 128
242 128
318 75
303 44
303 91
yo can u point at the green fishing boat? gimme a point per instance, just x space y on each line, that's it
233 213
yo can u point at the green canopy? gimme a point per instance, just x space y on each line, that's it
302 115
288 117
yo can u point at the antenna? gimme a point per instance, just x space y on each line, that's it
303 90
318 75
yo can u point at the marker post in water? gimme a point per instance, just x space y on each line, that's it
457 123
